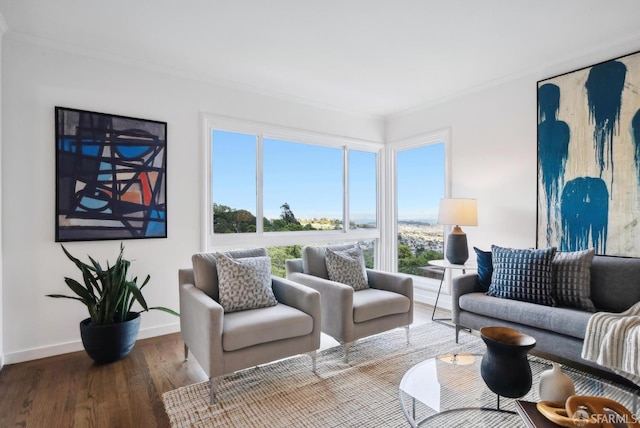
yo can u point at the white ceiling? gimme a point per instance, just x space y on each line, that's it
376 57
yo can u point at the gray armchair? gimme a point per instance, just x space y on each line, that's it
348 315
226 342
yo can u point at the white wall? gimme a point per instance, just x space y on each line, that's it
36 78
493 157
494 149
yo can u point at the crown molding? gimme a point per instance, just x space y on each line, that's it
185 74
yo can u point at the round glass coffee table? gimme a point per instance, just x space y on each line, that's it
451 385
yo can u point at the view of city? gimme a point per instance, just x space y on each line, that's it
421 237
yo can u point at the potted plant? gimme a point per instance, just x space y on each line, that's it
111 330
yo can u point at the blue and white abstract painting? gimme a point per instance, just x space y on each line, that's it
589 159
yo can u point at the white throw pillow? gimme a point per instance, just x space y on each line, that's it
347 267
244 283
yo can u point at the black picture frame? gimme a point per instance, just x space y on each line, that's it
111 176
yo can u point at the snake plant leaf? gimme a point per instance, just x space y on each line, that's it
80 290
62 296
146 281
163 309
137 294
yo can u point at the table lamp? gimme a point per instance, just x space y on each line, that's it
457 212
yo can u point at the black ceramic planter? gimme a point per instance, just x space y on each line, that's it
108 343
505 367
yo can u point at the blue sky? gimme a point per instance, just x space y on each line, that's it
309 178
420 182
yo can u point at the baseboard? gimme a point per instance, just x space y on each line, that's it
76 345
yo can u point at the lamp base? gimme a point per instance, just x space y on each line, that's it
457 250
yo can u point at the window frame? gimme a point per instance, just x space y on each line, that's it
390 239
211 241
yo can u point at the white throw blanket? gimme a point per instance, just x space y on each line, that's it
613 341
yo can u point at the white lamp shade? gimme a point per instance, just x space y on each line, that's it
458 211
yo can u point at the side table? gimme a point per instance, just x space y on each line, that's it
444 265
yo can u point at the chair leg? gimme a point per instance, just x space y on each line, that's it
186 352
458 328
347 345
406 330
312 354
213 382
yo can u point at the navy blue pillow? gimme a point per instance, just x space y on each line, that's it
525 274
485 268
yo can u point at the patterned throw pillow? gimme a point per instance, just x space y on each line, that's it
244 283
572 279
525 274
347 267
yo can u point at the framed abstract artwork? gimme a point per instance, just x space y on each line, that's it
111 176
589 159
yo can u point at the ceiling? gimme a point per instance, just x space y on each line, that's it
375 57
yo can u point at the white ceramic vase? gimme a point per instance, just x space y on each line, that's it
555 385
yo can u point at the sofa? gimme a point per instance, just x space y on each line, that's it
613 286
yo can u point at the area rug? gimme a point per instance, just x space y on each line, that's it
361 393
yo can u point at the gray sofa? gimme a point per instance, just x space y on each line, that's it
559 331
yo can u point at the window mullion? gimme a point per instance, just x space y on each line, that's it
345 189
259 184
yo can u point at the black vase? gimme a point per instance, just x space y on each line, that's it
112 342
505 368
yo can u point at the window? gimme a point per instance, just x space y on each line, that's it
303 187
420 184
282 189
233 185
362 190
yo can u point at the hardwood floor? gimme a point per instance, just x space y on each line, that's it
71 391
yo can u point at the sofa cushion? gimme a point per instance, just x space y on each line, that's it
522 274
244 283
347 267
567 321
264 325
485 267
373 303
572 279
313 259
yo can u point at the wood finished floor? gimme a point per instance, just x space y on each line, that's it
71 391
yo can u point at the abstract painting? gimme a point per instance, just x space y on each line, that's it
111 180
589 159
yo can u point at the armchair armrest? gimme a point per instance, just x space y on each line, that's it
337 303
293 265
329 290
394 282
201 326
460 285
297 296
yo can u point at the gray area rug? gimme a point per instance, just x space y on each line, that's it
361 393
